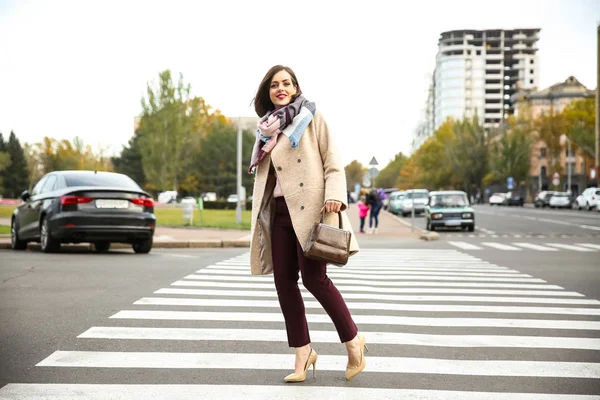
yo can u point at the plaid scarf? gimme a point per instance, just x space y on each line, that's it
290 120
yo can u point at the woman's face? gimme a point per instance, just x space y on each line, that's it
282 89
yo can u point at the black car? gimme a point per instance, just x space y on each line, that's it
514 199
84 206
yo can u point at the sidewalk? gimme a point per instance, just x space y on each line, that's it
166 237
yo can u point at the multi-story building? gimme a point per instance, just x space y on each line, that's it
477 72
555 98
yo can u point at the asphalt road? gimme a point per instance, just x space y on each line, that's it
495 220
487 323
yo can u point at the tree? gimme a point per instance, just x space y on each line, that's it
354 174
549 127
215 165
580 118
389 175
468 154
167 122
129 161
511 155
432 160
16 175
409 175
4 161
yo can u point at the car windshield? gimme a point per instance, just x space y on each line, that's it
449 200
417 195
101 180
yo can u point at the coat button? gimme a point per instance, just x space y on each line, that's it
301 184
302 207
278 168
299 160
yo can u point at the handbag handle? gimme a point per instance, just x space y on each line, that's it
339 213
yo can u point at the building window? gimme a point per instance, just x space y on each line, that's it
531 71
542 152
530 61
531 81
478 52
543 171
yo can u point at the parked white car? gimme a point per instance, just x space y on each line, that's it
416 198
233 198
589 198
497 199
560 200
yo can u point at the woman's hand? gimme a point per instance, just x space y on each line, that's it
332 206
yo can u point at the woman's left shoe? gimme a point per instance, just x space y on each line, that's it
351 372
312 360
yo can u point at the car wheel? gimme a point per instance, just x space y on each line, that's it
428 226
102 246
471 228
47 242
587 206
15 242
142 247
404 214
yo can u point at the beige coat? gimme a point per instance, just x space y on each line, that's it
309 175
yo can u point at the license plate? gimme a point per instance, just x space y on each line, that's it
452 223
104 203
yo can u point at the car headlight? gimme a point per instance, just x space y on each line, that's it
467 215
437 216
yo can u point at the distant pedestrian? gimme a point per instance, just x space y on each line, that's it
299 177
375 204
363 210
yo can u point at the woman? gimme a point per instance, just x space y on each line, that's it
298 175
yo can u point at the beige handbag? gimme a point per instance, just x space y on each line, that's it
328 244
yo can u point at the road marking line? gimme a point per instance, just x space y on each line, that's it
154 301
164 360
389 297
595 228
393 338
202 274
500 246
53 391
377 283
270 286
569 247
465 245
363 319
416 271
535 247
590 245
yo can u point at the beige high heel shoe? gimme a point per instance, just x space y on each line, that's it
351 372
312 360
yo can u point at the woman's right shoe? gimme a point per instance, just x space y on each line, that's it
351 372
312 360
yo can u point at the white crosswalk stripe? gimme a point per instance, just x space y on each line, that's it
433 319
518 246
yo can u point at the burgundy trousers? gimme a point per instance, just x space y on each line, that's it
288 259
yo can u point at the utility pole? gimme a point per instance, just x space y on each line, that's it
596 163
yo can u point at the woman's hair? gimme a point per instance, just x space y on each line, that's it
262 101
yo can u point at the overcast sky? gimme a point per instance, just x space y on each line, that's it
80 68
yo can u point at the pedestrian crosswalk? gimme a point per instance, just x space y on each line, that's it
440 324
518 246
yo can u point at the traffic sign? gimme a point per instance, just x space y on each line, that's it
366 181
556 179
373 172
373 161
510 183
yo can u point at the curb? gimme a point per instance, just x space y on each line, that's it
429 236
187 244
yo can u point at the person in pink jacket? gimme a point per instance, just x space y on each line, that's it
363 210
